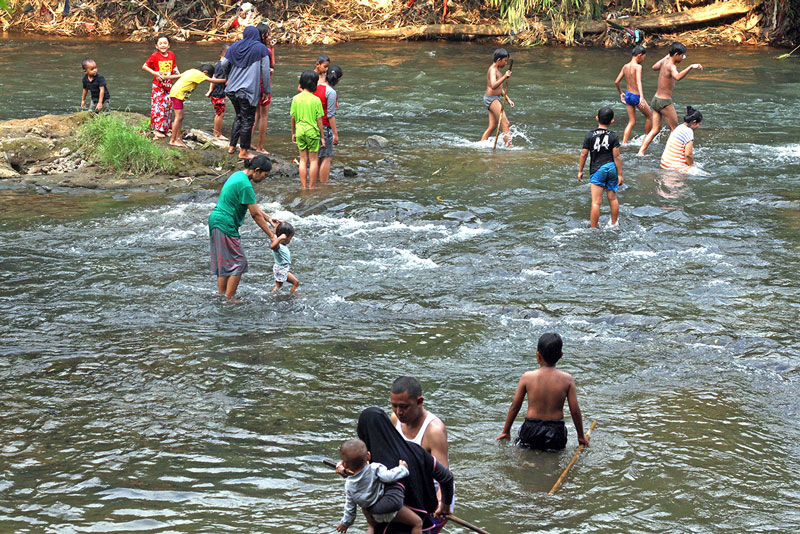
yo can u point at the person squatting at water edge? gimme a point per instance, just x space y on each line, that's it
679 152
606 165
417 425
237 197
632 97
246 67
493 97
375 488
662 104
546 388
388 447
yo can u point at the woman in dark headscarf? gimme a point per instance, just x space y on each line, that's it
387 446
247 66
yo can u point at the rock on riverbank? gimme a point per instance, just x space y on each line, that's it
43 151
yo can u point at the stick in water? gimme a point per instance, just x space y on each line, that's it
451 517
502 107
564 474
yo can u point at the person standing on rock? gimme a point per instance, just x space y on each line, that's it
162 65
247 69
236 198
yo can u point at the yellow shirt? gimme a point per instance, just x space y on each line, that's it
184 86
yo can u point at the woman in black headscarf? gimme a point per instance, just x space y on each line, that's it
246 64
387 446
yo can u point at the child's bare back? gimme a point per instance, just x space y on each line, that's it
632 73
547 389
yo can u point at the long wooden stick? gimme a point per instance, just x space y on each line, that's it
564 474
451 517
502 107
463 523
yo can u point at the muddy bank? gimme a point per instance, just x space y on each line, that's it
43 153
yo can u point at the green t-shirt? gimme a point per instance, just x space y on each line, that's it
231 207
306 109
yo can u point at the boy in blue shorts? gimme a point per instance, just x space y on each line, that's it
605 167
306 123
632 97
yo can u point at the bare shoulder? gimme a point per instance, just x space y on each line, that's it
566 377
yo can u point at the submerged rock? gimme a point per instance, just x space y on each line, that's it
376 141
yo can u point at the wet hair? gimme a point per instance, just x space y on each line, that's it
692 115
354 453
258 163
334 75
500 53
162 36
86 62
285 229
308 80
549 347
676 48
323 58
207 68
263 30
409 384
605 115
638 49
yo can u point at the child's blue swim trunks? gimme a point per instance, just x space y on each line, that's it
632 99
606 177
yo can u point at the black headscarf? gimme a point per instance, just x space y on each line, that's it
387 446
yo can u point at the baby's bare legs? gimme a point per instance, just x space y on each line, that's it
277 286
292 279
408 517
370 521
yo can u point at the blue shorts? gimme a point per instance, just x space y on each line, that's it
606 177
632 99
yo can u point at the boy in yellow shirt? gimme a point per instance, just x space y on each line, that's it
182 90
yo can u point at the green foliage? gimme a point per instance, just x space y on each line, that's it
4 5
113 143
563 13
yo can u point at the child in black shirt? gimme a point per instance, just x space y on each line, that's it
605 167
95 84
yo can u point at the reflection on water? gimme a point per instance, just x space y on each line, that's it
135 400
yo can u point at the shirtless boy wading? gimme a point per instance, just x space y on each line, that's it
493 97
662 101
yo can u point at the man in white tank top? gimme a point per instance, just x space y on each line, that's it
416 424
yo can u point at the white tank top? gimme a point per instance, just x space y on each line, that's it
418 438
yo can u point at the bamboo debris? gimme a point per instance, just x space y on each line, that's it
432 31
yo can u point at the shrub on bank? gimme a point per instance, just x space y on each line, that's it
114 144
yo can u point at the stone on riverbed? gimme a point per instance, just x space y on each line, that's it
376 141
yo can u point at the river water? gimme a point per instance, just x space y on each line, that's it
133 399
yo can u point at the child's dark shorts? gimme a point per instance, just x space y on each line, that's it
219 104
543 435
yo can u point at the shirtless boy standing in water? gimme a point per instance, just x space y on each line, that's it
662 101
547 388
493 98
632 97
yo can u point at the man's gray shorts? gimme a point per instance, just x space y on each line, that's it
327 150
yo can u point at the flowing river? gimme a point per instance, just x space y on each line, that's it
135 400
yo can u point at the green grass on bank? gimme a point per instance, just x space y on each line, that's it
114 144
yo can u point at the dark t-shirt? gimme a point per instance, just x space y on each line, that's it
219 88
93 86
600 143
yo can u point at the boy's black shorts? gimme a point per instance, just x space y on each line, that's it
543 435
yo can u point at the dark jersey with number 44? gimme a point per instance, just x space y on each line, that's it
600 143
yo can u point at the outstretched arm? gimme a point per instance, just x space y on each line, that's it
575 412
516 404
262 219
681 75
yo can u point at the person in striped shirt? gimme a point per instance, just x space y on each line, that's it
679 152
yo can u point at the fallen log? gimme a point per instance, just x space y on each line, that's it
432 31
697 15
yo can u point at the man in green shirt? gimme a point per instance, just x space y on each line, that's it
236 198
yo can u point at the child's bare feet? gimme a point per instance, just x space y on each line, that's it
159 135
220 137
178 143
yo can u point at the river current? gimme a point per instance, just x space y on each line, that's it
135 400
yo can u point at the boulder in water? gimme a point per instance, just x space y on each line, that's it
376 141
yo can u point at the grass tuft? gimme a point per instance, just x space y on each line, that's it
114 144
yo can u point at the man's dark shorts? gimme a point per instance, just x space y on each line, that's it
543 435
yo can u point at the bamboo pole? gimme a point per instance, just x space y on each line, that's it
575 457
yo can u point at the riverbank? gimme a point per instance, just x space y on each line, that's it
751 22
44 153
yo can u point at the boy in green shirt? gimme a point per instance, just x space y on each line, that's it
306 124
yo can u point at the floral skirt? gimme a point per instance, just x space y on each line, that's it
160 109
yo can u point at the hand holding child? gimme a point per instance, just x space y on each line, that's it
341 528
